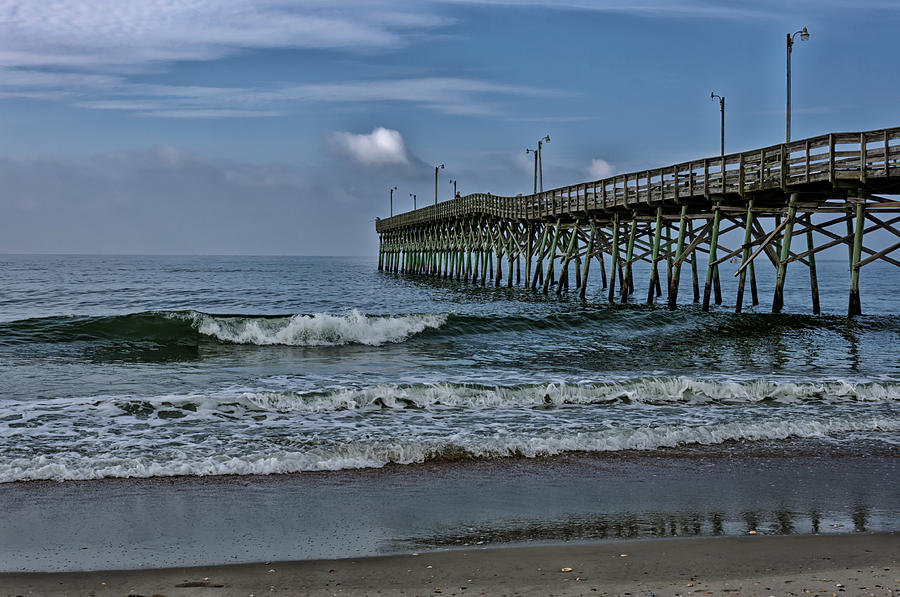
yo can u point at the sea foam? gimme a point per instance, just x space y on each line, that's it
320 329
460 446
654 391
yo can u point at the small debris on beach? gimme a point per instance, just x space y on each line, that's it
200 583
565 570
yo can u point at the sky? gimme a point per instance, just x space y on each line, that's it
279 126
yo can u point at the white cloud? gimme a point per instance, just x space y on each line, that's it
600 169
120 34
382 146
449 95
88 52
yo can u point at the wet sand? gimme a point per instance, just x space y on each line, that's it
207 521
863 564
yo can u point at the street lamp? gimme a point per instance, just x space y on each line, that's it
546 139
436 168
804 36
413 195
453 182
713 95
534 151
392 200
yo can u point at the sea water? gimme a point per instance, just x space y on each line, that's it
171 411
159 366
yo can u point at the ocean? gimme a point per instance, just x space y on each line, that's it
126 371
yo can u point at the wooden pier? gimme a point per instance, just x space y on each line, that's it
669 215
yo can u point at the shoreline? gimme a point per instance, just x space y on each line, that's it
204 521
852 564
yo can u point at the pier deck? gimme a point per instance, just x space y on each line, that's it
669 214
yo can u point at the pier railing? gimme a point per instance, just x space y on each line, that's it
827 160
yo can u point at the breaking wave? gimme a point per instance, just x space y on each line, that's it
376 454
656 391
170 328
320 329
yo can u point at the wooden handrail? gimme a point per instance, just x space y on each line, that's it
830 157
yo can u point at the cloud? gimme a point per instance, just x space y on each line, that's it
381 146
90 52
450 95
125 35
600 169
653 8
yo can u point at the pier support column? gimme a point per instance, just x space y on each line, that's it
745 254
754 295
539 264
855 307
675 268
695 281
469 250
781 275
510 256
629 252
529 248
713 245
498 254
717 286
485 257
587 260
548 278
577 260
602 264
611 297
813 278
668 260
654 271
564 270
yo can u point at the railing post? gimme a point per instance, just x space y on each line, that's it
831 165
862 158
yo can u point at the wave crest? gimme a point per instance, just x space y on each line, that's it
376 454
654 391
320 329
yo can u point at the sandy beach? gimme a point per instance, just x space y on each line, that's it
859 564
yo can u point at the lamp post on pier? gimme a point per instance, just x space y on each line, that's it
546 139
534 151
713 95
436 168
392 200
453 182
413 195
804 36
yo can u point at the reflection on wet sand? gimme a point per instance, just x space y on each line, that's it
633 525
